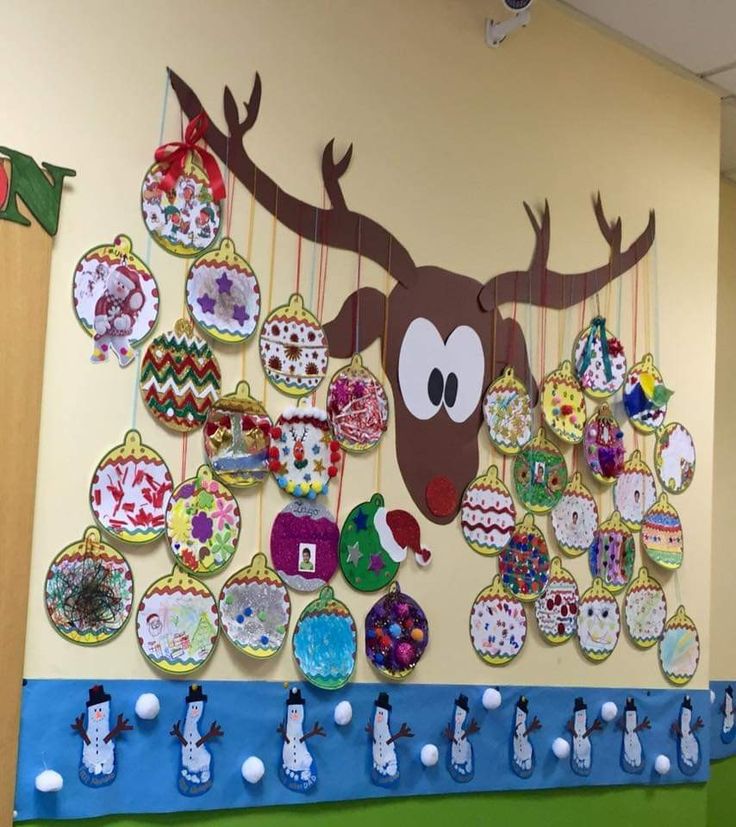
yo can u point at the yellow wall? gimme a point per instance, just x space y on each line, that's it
449 138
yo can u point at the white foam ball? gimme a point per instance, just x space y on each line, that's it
662 764
147 706
712 696
491 698
430 755
253 769
561 748
343 713
609 711
49 781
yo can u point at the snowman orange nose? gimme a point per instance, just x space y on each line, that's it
442 497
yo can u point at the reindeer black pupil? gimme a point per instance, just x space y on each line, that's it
450 390
436 386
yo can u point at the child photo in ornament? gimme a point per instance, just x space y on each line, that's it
674 457
522 748
599 622
524 563
116 299
385 761
304 541
507 410
98 766
662 535
600 362
497 625
685 730
612 554
307 554
646 396
581 756
634 491
645 610
396 634
298 769
195 762
487 513
357 407
728 725
540 474
632 752
575 518
603 442
460 762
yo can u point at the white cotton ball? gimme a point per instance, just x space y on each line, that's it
712 696
253 769
49 781
147 706
343 713
609 711
662 764
430 755
491 698
561 748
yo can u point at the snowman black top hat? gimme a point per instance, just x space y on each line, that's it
382 701
97 695
630 705
195 694
295 697
687 703
580 705
729 691
462 702
523 703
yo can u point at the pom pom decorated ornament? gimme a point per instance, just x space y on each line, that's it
646 396
563 404
604 445
396 633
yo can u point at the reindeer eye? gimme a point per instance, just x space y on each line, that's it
464 370
421 378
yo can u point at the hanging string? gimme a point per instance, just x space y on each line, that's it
635 320
382 358
314 254
647 308
339 490
230 200
326 245
655 302
356 345
510 339
530 337
299 254
248 258
494 345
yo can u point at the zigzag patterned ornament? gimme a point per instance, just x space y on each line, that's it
487 513
180 378
634 492
507 410
600 362
661 534
563 404
575 518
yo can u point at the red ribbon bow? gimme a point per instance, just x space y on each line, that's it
174 154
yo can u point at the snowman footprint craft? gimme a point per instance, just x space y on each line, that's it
298 770
581 756
728 729
385 761
98 767
632 752
688 745
522 749
460 762
195 771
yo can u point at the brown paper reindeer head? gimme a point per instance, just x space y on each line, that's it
446 338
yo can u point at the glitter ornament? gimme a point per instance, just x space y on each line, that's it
325 642
662 536
599 622
255 609
645 396
507 410
497 625
487 513
524 563
679 648
237 437
634 492
557 610
604 445
222 294
563 404
645 610
600 362
177 623
130 491
612 554
304 539
89 591
180 378
575 518
357 407
202 524
294 349
674 457
540 474
396 633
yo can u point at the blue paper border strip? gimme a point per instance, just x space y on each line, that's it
720 746
249 712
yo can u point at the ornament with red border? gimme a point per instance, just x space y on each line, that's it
487 513
557 610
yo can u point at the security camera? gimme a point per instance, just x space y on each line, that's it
496 33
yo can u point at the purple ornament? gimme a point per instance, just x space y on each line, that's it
397 633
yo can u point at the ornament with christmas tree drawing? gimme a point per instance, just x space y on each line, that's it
98 766
612 554
460 763
298 769
645 610
116 299
304 541
357 407
646 396
674 457
684 730
487 513
195 764
634 491
507 410
522 748
581 755
375 541
600 362
662 535
540 474
396 633
384 759
603 443
497 624
575 518
679 648
557 610
563 404
632 752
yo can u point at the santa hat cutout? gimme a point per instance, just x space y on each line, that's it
398 533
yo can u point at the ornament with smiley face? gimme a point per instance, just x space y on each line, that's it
540 475
612 554
563 404
599 622
634 491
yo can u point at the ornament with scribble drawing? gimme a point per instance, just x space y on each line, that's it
563 404
575 518
540 474
507 410
487 513
599 359
674 457
634 492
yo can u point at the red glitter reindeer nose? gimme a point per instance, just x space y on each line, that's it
442 496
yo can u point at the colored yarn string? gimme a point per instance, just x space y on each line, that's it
494 345
312 277
356 346
297 286
528 379
382 359
339 490
248 255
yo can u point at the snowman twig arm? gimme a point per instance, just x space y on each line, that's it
78 726
570 726
404 732
282 731
533 726
448 733
675 729
473 727
698 724
645 724
596 726
215 731
122 725
316 730
176 731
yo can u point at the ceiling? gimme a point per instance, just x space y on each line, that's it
697 35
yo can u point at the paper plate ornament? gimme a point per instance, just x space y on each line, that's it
634 492
599 622
604 445
237 436
89 591
396 633
375 541
181 194
575 518
540 475
357 407
130 491
646 396
325 642
679 648
524 563
294 349
507 410
612 554
674 457
600 363
255 609
645 610
223 296
304 540
497 625
487 513
116 299
202 524
304 454
177 623
180 378
563 404
662 536
557 610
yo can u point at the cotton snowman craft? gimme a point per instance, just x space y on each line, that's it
632 752
581 757
728 730
98 767
688 745
298 770
460 751
522 749
385 762
195 771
